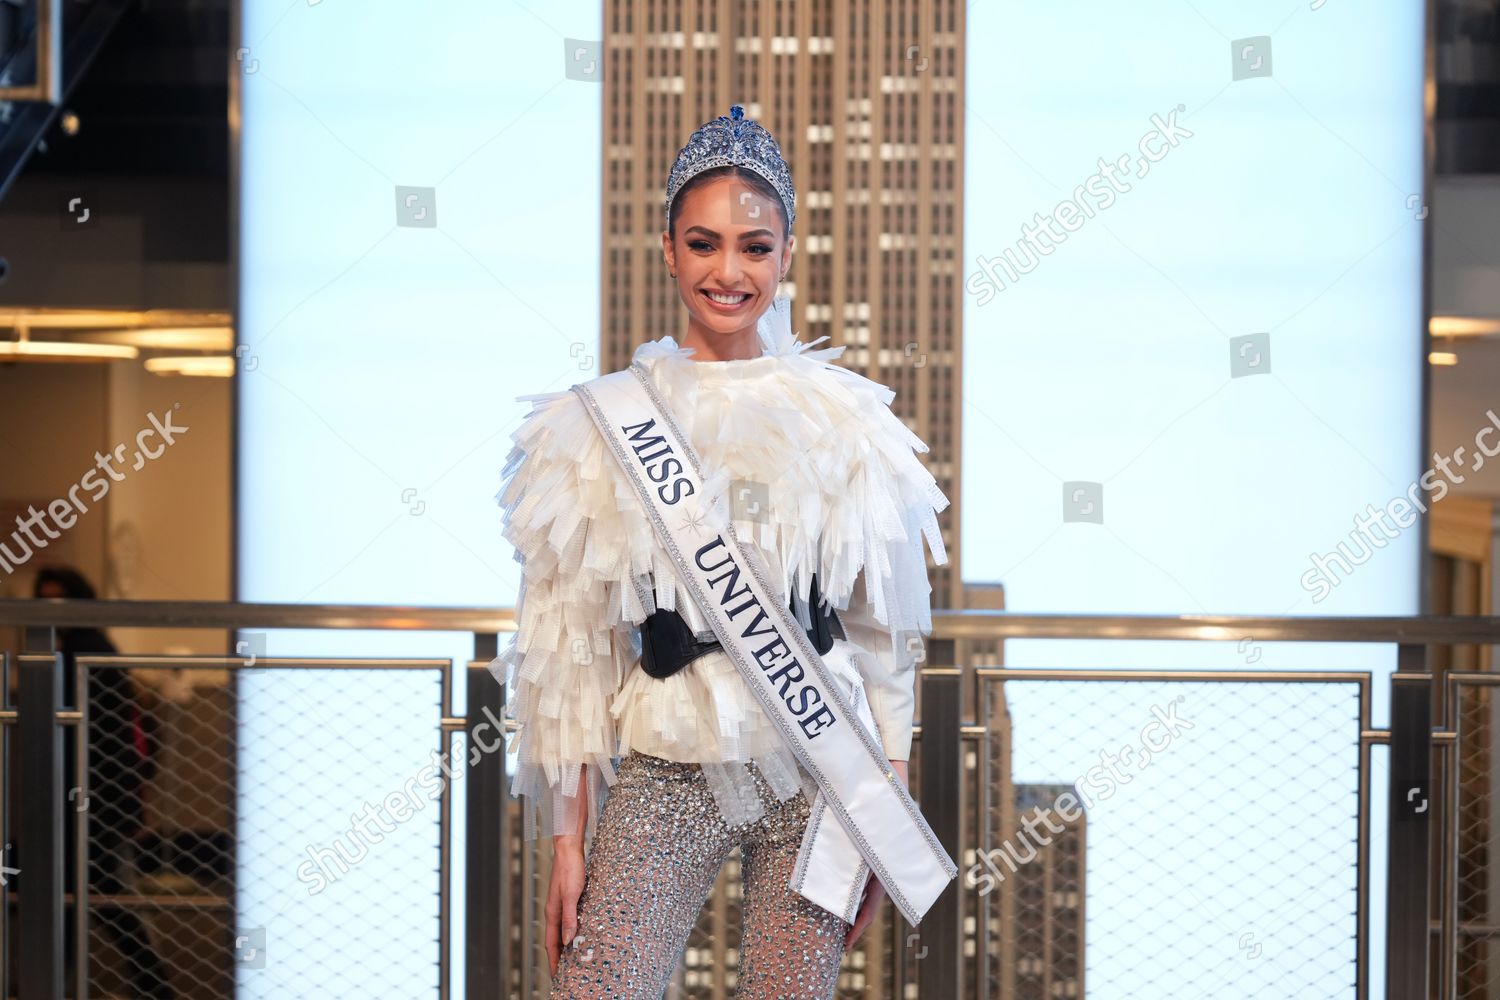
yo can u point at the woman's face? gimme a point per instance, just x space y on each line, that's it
729 241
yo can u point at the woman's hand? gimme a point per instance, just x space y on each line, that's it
562 896
874 891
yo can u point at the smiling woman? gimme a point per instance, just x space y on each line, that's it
615 653
734 248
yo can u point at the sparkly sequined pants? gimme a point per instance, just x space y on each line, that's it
656 853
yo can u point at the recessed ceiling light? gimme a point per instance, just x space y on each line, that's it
52 350
1463 326
204 365
174 338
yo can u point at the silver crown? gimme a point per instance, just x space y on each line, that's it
733 140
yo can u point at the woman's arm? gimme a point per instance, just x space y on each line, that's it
561 667
564 890
889 674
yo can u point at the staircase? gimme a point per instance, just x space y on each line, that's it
45 48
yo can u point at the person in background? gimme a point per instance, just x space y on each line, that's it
120 765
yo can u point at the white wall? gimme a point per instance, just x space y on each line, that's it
162 532
170 530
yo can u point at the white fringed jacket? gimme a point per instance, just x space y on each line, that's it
848 499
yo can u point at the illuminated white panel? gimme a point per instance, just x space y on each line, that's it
418 245
1200 382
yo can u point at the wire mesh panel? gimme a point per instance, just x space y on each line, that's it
156 822
1475 908
264 832
1172 838
340 850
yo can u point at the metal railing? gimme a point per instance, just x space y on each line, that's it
1021 936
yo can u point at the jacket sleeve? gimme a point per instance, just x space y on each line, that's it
565 661
888 669
890 604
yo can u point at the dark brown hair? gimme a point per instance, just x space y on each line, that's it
72 582
750 177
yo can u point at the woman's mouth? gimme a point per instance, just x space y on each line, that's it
726 303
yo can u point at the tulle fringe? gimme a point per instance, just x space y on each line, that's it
832 483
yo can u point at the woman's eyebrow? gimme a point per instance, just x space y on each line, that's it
713 235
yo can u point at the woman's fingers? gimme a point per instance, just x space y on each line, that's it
874 896
563 894
874 890
570 914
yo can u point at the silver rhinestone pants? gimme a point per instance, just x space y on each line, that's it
656 853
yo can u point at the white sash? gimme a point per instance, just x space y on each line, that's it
875 822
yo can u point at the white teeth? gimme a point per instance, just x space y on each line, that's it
728 300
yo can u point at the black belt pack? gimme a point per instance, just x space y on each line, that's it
668 645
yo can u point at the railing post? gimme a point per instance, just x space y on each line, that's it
939 965
486 849
1408 865
39 883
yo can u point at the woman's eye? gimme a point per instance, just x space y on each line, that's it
758 249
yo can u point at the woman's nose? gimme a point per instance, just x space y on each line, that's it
729 269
